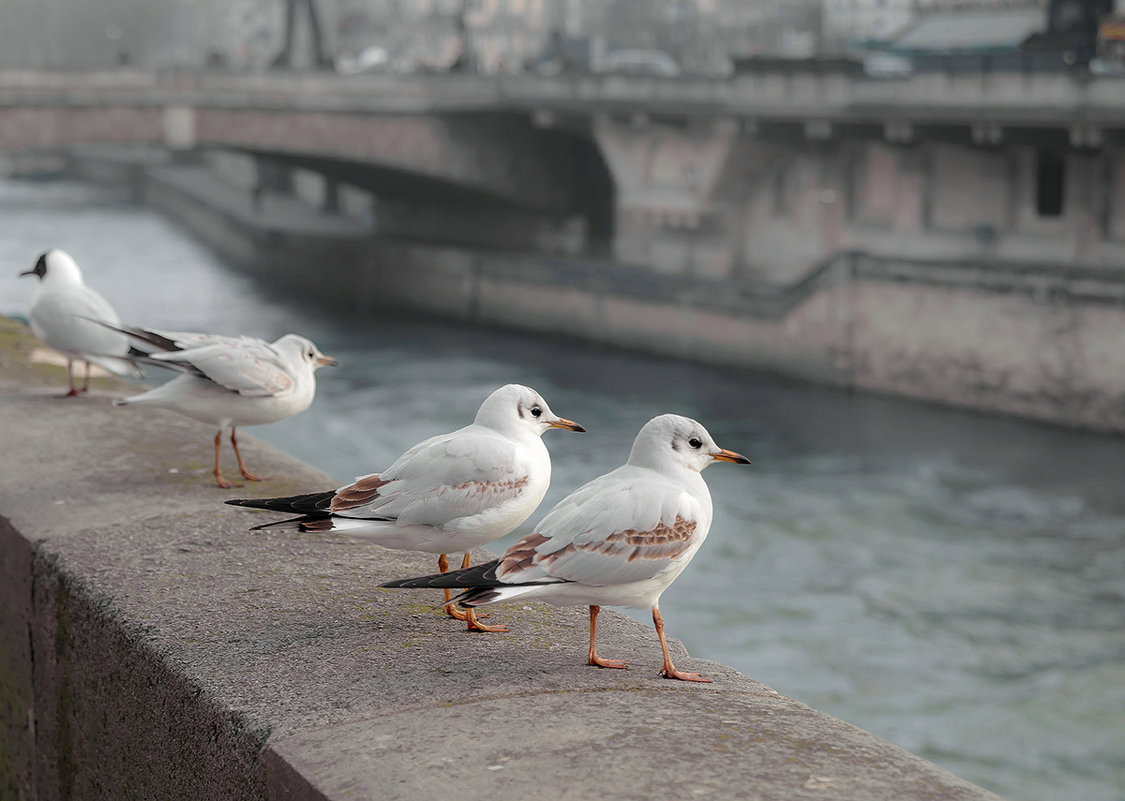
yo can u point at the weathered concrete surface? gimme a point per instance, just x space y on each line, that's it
150 647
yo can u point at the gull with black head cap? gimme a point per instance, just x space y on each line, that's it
65 314
619 540
449 493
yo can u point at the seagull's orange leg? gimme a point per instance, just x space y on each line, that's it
450 609
472 624
669 670
594 659
222 482
86 382
464 564
73 393
246 474
472 620
471 614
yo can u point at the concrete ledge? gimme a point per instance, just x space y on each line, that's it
151 648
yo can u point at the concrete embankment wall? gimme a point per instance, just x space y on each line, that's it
151 647
1041 342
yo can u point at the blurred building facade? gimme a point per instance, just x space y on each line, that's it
489 36
485 35
847 22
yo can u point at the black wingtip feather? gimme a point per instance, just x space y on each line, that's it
158 341
483 575
317 504
289 522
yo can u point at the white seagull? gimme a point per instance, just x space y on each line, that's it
64 314
619 540
449 493
229 381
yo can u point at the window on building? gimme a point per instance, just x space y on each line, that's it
1050 183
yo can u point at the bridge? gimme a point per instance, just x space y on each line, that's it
802 218
686 175
833 90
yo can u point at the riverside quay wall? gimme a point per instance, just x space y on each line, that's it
1045 342
152 647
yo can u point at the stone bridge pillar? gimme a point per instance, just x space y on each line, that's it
178 123
668 178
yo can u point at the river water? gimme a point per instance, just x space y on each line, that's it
954 582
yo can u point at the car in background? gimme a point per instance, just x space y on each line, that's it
641 62
370 59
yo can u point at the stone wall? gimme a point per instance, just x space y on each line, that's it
1038 342
1042 343
721 202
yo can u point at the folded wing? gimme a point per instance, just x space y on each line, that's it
615 530
244 365
438 481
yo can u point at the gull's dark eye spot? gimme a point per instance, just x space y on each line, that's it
536 411
695 442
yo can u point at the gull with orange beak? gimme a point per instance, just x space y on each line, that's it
619 540
449 493
228 381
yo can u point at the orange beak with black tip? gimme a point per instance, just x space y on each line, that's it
569 425
729 456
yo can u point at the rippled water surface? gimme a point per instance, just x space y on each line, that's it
953 582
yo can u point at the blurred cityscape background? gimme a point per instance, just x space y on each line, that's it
511 36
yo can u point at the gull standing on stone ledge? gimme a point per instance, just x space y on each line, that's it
64 314
229 381
449 493
619 540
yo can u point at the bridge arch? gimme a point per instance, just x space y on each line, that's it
594 194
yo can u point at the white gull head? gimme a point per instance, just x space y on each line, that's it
517 410
670 443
